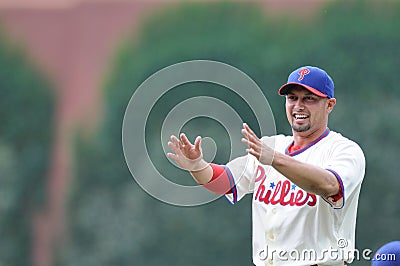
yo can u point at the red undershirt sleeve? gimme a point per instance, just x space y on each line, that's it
220 182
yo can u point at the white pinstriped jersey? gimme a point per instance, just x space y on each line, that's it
291 226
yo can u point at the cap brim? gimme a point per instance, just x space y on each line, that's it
288 86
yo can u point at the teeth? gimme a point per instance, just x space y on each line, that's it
300 116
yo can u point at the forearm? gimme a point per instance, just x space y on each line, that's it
311 178
204 175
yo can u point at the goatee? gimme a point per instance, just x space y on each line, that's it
301 128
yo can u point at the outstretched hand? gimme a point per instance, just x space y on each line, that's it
187 155
256 146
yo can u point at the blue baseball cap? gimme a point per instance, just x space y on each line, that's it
312 79
387 255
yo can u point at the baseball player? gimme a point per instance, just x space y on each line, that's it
305 187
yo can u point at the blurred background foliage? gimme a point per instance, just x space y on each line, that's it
114 222
26 108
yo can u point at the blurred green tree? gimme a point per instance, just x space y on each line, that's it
26 113
112 221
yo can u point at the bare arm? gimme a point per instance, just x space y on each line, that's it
190 157
311 178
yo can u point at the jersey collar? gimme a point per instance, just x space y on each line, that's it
296 152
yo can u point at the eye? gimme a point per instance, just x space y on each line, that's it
309 98
291 97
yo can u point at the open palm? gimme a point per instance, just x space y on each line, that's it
186 154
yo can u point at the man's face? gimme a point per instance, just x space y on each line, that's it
307 112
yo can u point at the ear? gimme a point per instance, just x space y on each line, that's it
331 104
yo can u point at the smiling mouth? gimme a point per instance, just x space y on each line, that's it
300 116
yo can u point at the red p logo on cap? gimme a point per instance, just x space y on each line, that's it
302 73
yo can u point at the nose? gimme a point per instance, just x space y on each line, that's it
298 104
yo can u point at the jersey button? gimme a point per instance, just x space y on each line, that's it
271 236
274 211
270 262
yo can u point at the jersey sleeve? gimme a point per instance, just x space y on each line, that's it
242 172
347 163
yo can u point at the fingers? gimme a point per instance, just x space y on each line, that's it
178 145
176 141
172 156
248 130
254 153
245 126
175 145
251 144
252 141
174 148
197 143
249 134
184 139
